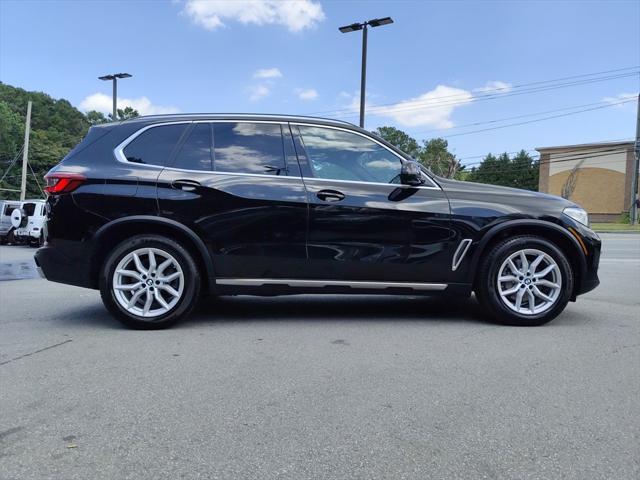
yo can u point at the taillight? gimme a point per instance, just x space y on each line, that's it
60 182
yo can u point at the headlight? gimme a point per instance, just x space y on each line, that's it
578 214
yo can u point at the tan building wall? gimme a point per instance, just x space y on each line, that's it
599 173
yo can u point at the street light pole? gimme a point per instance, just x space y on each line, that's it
376 22
114 78
363 74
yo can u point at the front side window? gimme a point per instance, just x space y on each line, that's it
248 148
195 152
154 146
339 155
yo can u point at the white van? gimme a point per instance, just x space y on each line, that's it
29 221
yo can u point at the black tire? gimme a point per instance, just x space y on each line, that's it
190 293
487 285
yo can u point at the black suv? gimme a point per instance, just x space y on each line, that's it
157 211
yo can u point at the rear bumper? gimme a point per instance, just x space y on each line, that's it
65 262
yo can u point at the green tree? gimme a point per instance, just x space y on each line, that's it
56 127
96 118
125 114
435 155
521 171
399 139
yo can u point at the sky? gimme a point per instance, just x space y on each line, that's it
455 69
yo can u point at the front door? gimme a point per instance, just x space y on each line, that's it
363 224
238 185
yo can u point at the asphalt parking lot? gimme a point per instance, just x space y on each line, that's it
322 388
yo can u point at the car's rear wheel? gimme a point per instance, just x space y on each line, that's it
150 281
525 281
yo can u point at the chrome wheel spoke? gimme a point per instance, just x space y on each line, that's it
170 290
535 263
532 301
547 283
539 294
508 278
138 263
513 268
511 291
131 286
164 265
135 297
147 303
152 261
524 263
170 278
160 300
545 272
129 273
519 296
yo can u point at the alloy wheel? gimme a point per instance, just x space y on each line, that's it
529 282
148 282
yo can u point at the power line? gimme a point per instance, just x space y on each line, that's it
485 122
488 95
539 119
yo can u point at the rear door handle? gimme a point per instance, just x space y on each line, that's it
186 185
330 195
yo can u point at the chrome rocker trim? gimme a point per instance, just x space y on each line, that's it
256 282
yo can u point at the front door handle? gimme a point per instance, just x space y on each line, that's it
186 185
330 195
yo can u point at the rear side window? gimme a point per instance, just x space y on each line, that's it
249 148
154 146
195 152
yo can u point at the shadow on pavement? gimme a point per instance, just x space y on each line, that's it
341 308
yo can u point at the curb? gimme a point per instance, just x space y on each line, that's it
623 232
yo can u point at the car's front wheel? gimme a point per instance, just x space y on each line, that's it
149 281
525 281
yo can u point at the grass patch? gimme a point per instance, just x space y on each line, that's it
615 227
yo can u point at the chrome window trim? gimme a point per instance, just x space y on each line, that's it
119 150
292 282
459 254
434 185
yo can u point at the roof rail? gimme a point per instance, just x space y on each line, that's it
266 115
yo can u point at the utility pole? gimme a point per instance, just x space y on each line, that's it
633 211
25 154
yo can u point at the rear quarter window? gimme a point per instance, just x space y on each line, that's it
155 145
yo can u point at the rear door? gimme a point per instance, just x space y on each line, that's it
238 185
363 224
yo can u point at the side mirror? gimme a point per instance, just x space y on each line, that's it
411 174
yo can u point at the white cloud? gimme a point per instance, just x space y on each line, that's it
103 103
495 86
295 15
267 73
307 93
621 97
256 92
433 108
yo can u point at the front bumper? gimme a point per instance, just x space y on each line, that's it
589 278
